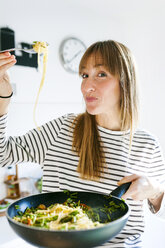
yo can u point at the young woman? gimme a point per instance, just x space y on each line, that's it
98 149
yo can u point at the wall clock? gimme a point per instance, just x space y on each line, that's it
71 51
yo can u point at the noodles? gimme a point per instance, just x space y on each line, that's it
40 48
57 217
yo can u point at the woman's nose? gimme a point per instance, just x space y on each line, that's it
88 85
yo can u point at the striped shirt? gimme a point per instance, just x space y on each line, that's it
51 147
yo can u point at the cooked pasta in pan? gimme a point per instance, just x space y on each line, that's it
57 217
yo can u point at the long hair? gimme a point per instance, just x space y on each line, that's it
119 61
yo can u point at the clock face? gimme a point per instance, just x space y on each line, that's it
71 51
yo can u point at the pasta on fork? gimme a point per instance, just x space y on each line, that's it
40 48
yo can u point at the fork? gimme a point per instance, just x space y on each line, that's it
19 49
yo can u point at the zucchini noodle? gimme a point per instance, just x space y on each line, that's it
40 48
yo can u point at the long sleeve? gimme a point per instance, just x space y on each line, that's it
157 170
31 147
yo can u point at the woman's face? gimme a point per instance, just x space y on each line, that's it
100 89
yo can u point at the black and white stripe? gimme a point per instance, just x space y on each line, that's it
51 148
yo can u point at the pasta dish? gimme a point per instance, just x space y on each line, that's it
58 217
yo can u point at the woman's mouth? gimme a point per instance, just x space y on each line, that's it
91 99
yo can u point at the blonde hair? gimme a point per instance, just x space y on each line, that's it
118 59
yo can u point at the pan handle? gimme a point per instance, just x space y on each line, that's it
119 191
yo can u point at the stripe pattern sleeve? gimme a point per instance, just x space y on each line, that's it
31 147
157 168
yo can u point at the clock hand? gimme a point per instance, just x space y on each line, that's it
68 61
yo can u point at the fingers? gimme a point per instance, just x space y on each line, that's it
141 187
128 179
129 193
4 55
6 61
4 68
132 191
6 58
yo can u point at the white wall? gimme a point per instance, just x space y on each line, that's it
138 24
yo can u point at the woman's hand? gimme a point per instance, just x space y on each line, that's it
6 61
143 188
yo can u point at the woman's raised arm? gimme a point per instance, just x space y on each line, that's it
6 61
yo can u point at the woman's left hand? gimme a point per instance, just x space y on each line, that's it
141 187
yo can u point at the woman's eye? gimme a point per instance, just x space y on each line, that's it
102 74
84 75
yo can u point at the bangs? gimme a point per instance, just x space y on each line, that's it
103 54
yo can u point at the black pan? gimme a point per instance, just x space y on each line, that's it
72 238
